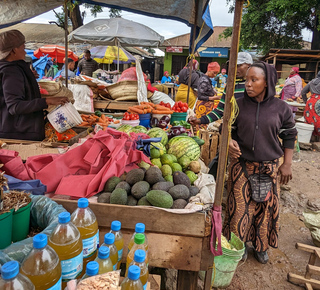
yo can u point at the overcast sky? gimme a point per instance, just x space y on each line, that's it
166 28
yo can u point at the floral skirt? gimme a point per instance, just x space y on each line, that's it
203 108
312 113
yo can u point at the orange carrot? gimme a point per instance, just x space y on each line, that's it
167 112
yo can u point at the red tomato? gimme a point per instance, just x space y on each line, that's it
184 108
127 117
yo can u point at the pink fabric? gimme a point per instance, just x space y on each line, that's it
216 231
82 171
295 69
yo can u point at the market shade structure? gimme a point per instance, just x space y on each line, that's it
54 51
113 31
109 54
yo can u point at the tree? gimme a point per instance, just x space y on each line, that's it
76 17
151 50
278 24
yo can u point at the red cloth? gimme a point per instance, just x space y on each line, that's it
216 231
312 113
213 66
84 170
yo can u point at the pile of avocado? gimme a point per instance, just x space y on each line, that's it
148 188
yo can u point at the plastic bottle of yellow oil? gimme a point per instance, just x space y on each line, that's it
139 229
139 240
42 265
11 279
65 240
92 269
139 260
132 281
85 221
104 261
109 242
118 240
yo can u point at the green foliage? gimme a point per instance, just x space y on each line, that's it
113 13
278 23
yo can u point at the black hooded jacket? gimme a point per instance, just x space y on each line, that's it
21 106
259 125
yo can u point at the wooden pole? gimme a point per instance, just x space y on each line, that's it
66 41
192 46
223 146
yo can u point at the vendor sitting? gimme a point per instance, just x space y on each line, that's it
71 65
166 78
21 105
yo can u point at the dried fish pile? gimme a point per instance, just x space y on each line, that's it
15 199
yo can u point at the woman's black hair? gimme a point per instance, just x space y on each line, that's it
261 65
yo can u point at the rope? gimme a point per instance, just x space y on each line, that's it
214 273
247 5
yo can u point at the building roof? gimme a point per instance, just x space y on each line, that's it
293 55
213 41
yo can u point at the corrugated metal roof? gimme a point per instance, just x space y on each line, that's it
213 41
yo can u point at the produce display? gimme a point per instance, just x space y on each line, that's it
130 116
97 119
149 188
178 107
145 108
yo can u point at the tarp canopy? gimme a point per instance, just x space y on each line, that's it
113 30
15 11
109 54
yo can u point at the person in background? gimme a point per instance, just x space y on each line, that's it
221 79
243 63
71 65
166 78
87 65
148 75
183 79
292 87
255 148
173 78
312 109
206 93
21 105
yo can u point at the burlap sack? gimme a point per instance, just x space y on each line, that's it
56 89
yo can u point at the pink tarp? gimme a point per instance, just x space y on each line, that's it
82 171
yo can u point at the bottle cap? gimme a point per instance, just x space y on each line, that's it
10 270
40 241
109 239
103 253
139 256
83 202
140 228
139 239
92 268
64 217
116 226
134 272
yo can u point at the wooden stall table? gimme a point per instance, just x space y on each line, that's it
171 89
113 105
176 241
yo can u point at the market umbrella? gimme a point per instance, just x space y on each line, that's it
54 51
109 54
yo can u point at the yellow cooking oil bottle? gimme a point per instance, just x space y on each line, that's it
109 242
139 260
66 241
92 269
132 281
11 279
85 221
118 240
139 229
139 240
42 265
104 261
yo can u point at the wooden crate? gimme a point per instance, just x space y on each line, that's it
176 241
210 147
114 105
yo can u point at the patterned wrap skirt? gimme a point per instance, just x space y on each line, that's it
312 113
249 220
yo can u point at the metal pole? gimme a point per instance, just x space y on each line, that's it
223 146
192 47
66 41
118 66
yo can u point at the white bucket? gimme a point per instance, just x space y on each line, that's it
304 132
64 117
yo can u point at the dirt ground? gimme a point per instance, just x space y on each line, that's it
304 188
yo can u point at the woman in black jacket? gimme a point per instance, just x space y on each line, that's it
255 149
21 105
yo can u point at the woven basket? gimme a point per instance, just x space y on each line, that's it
124 91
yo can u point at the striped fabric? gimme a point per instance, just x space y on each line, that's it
217 113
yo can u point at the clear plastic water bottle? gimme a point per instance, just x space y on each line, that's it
11 279
42 265
86 222
91 270
132 281
104 261
139 229
109 242
139 260
118 240
296 152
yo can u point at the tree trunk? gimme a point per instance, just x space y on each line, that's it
315 44
75 16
